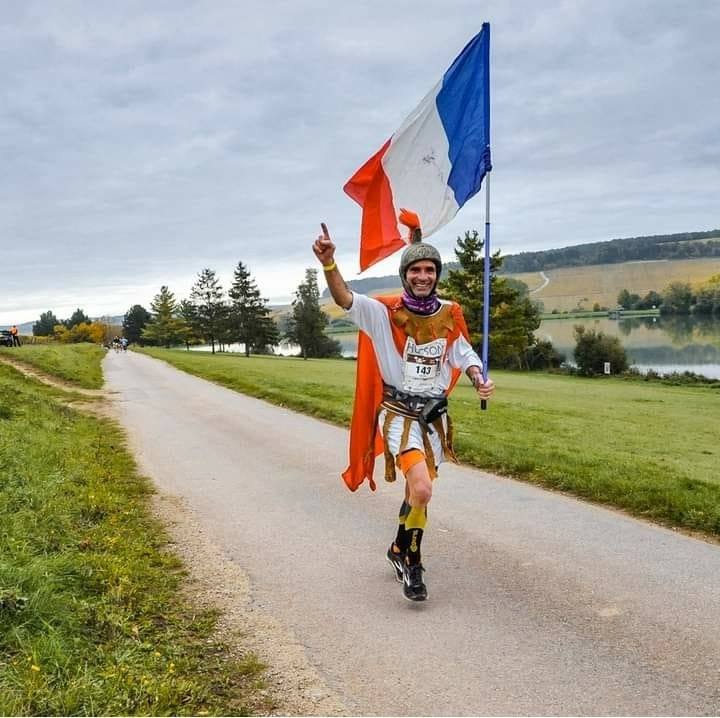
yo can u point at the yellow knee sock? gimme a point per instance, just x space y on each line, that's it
415 527
417 518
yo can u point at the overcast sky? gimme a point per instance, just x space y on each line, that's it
143 141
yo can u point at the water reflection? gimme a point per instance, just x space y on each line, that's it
666 344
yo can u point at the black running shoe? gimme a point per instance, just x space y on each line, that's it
396 560
413 586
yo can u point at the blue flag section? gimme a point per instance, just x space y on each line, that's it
463 104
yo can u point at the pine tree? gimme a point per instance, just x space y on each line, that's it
45 326
266 334
134 322
249 320
186 311
210 312
78 317
165 327
513 317
308 321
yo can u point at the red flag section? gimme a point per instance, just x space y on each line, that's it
370 188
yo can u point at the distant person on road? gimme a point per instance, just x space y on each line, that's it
412 349
124 343
15 336
116 343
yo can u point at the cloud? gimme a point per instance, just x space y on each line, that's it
142 143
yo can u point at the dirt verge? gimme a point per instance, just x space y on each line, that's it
292 687
53 381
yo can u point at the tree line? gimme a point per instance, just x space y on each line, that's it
244 316
241 315
46 324
678 298
78 328
212 316
687 245
209 315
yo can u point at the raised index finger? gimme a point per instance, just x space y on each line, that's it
325 230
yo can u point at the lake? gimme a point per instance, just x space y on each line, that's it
665 344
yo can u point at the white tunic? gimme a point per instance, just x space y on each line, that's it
423 370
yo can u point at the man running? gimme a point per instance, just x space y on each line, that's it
411 351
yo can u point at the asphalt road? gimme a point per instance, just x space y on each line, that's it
539 604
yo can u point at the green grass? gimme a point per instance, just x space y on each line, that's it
78 364
91 616
648 448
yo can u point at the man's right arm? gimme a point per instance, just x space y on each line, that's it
336 284
324 250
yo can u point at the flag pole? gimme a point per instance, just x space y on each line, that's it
486 289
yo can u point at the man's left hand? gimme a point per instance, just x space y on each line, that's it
484 389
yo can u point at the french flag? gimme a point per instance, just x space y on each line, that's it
435 162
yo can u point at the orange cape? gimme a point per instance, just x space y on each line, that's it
366 441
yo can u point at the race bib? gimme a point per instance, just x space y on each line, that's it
422 362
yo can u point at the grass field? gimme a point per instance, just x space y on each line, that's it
92 619
78 364
645 447
570 287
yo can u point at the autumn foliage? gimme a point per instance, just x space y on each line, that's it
94 332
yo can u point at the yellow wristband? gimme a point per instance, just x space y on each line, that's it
329 267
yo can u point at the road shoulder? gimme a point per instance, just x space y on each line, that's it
291 685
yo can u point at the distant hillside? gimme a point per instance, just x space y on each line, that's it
24 329
580 288
688 245
379 285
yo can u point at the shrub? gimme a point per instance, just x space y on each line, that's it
543 355
593 349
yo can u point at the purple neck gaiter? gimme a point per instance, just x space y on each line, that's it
425 307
